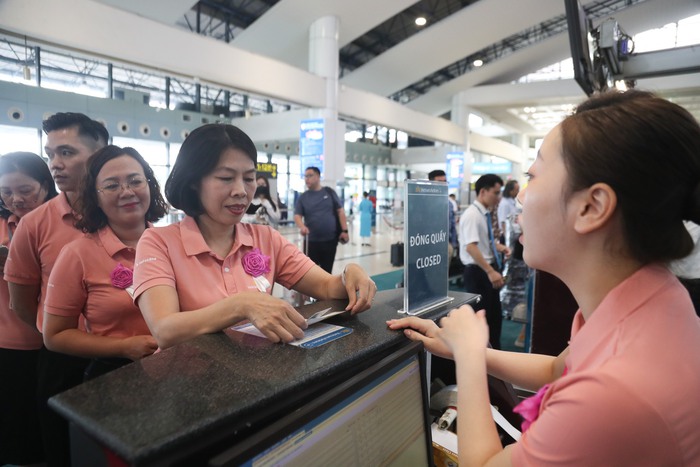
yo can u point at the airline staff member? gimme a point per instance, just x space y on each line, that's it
625 391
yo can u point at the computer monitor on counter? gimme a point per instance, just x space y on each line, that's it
377 417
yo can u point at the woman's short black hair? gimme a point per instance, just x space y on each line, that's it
30 165
198 157
91 217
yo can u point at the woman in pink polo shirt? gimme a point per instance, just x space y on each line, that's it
25 183
215 268
92 276
603 211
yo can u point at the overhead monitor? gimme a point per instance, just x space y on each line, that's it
377 417
579 33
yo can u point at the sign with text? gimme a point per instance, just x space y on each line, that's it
266 169
480 168
426 230
311 144
455 169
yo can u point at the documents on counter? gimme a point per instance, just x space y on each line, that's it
314 336
322 315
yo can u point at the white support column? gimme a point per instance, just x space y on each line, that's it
460 115
324 62
520 168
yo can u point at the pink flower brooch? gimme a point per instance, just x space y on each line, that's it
123 278
256 264
529 408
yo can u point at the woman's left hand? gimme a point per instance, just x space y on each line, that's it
360 288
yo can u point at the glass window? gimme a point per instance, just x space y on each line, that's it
154 152
15 138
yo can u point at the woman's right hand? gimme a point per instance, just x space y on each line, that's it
275 318
138 347
425 331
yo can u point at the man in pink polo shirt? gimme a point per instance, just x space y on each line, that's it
71 138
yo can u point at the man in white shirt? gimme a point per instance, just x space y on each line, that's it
480 253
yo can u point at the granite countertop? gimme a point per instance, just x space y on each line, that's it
221 385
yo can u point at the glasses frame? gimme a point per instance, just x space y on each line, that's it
124 186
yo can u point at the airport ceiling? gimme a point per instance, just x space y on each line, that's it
383 51
428 69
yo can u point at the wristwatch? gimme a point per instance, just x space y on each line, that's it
344 231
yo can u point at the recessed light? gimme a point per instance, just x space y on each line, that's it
478 62
420 21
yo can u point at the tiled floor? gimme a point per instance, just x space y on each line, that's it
375 259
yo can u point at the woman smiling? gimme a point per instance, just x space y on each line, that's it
211 271
93 275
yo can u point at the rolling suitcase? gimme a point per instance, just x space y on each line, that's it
397 254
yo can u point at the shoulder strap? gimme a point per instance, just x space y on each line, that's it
333 196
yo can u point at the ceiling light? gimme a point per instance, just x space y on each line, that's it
478 62
420 21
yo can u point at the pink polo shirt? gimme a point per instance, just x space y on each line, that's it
80 283
178 256
37 243
632 391
14 333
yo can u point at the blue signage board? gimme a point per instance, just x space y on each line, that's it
455 169
480 168
425 247
311 142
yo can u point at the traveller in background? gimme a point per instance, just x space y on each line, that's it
92 276
452 244
315 214
632 365
515 271
25 183
213 181
507 207
262 209
365 209
480 253
71 138
262 180
280 207
454 205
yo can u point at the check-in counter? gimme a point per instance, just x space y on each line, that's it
187 403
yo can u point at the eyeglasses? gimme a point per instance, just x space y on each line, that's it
133 184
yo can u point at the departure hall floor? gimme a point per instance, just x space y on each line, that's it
375 259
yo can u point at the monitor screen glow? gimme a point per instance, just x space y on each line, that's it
378 417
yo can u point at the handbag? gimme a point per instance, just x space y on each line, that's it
336 206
